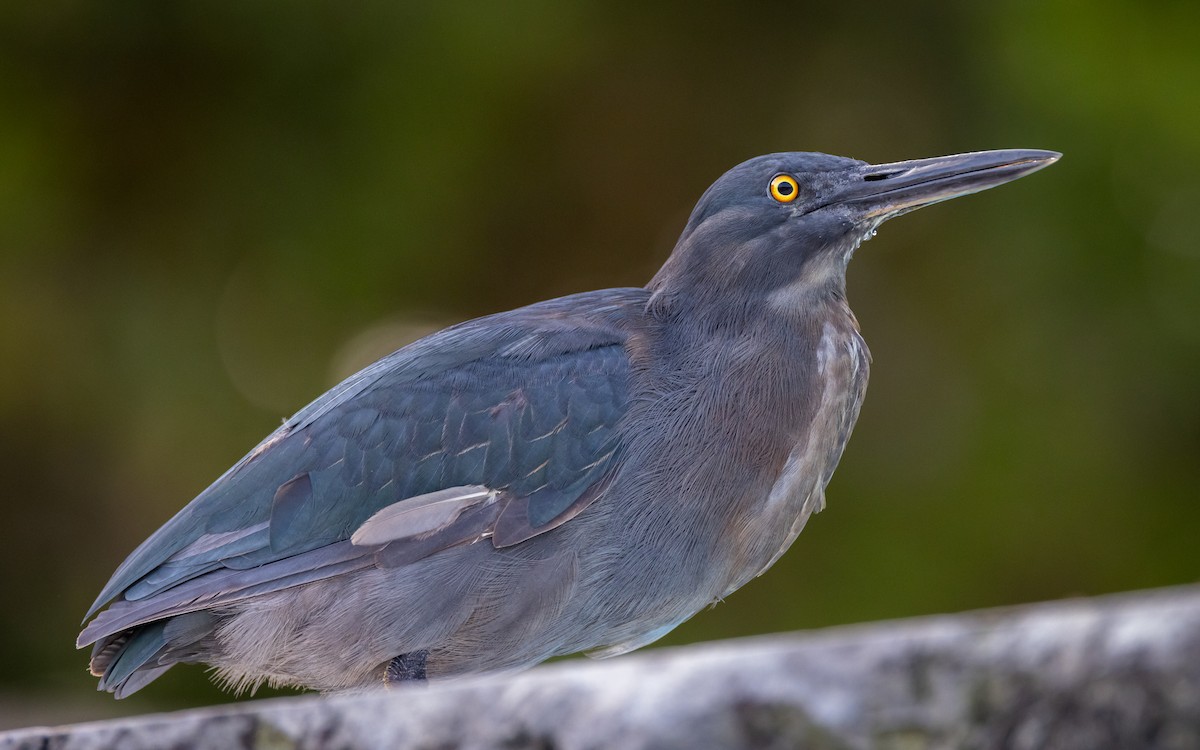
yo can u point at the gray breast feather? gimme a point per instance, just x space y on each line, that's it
843 365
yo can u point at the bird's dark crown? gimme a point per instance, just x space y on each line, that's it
748 185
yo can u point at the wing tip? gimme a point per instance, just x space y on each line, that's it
97 605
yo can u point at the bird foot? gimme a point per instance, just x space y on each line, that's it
408 667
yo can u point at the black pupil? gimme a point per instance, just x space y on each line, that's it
784 188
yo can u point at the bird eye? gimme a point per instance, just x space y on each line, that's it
784 188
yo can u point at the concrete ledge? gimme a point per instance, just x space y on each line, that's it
1113 672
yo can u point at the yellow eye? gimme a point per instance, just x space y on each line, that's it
784 188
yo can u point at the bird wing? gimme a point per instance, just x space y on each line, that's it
501 428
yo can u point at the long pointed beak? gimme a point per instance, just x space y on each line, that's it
887 190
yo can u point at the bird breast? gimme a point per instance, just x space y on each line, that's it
836 389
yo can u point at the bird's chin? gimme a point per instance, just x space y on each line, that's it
864 232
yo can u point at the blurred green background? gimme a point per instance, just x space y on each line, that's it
210 212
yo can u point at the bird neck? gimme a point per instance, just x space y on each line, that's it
784 310
756 281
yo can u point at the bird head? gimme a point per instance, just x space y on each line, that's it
780 229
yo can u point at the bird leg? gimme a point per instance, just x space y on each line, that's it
408 667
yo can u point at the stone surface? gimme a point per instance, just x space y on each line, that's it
1113 672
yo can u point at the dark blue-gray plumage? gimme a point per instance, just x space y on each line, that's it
582 474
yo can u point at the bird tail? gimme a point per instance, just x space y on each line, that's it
128 661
